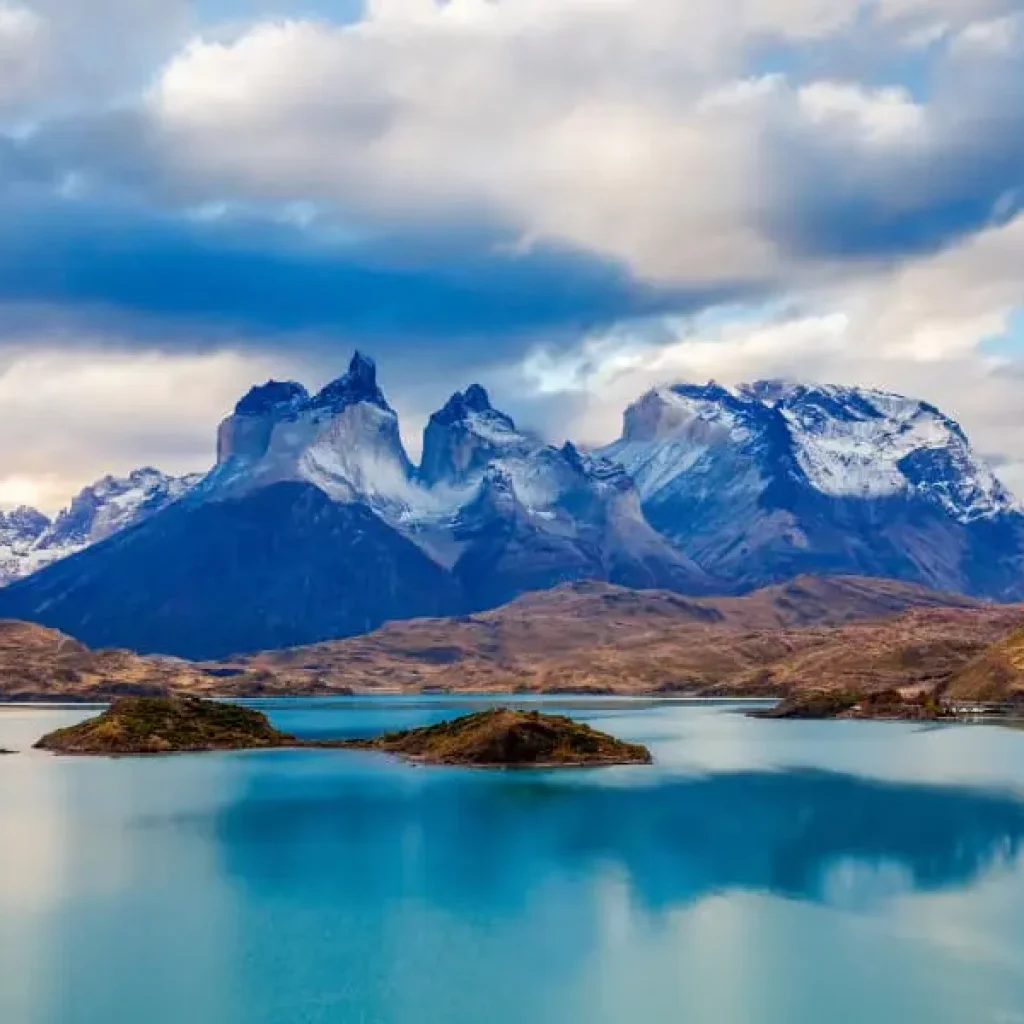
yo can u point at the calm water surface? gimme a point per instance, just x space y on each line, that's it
760 873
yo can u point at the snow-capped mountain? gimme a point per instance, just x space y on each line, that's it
768 479
512 513
343 440
463 438
315 524
20 530
29 540
496 506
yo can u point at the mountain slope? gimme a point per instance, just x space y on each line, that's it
36 662
315 524
997 674
523 515
281 566
29 540
582 636
592 636
768 480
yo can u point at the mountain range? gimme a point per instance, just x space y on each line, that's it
30 540
315 524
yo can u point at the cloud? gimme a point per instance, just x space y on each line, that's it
235 272
918 330
70 417
22 55
59 55
637 134
568 198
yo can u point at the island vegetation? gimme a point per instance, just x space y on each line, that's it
492 738
164 725
506 736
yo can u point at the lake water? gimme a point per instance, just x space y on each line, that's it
759 873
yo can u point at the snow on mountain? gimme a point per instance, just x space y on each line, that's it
466 435
522 514
29 540
769 478
20 530
845 442
315 524
871 444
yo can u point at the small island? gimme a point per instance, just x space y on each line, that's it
166 725
888 705
500 737
505 737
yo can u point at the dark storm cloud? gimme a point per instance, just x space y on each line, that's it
260 276
915 204
917 190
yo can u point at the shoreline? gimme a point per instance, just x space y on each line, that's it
72 704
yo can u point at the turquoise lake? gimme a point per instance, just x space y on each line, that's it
759 873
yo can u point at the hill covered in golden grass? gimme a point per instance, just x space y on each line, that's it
831 633
599 638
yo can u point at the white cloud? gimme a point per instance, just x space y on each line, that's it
995 35
585 121
877 115
23 46
59 55
69 416
633 129
918 330
625 129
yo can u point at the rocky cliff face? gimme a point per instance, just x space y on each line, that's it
525 515
343 440
463 438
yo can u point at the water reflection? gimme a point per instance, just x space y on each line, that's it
488 841
280 886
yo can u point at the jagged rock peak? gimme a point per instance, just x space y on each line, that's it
274 396
572 455
464 403
476 398
25 521
359 384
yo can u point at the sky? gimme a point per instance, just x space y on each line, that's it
569 201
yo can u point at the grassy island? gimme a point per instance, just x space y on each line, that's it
494 738
504 737
164 725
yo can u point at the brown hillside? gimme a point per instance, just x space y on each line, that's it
595 637
584 637
39 663
997 674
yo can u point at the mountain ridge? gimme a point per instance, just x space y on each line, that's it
710 490
762 482
30 540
